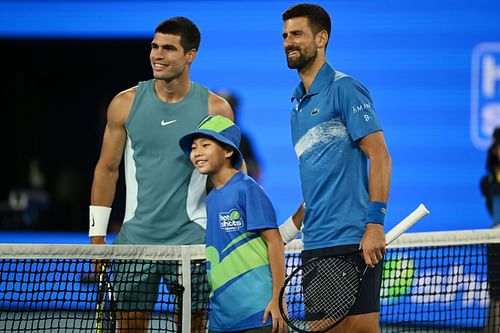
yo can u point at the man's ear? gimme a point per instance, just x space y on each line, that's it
190 56
322 39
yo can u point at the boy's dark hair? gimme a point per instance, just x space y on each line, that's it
183 27
317 17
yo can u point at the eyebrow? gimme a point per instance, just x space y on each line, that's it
294 32
164 46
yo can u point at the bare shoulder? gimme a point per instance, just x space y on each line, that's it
120 105
218 105
125 97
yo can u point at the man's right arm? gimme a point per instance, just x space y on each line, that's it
107 168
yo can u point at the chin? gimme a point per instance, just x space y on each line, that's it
162 76
203 171
293 64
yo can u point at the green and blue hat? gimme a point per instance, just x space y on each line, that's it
219 128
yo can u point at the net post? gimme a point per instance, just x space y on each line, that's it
186 282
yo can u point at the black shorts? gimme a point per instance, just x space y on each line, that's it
369 295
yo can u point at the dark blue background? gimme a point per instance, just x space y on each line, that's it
415 58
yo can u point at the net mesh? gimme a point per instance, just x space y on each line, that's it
432 282
310 306
55 288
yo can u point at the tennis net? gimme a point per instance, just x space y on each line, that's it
432 282
55 288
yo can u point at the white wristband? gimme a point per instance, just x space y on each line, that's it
98 220
288 230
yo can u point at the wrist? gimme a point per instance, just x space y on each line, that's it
376 212
288 230
97 240
98 220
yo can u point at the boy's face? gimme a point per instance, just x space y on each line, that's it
209 156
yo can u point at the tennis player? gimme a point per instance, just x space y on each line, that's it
244 249
165 194
335 131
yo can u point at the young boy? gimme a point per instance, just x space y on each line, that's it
244 249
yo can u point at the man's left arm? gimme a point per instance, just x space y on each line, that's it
379 178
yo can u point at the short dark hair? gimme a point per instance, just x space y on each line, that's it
183 27
318 17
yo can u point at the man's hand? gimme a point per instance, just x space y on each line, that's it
98 264
372 244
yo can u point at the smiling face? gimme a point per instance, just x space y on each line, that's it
168 59
299 43
209 156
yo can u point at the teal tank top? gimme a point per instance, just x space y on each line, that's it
165 196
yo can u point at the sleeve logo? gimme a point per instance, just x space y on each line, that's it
361 107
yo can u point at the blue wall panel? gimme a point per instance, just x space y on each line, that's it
415 57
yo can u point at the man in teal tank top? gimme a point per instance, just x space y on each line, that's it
165 196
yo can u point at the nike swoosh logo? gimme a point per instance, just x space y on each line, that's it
93 222
165 123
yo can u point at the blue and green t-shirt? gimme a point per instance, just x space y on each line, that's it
237 258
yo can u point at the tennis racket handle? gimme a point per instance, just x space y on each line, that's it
406 223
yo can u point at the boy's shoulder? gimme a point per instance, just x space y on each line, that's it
248 181
243 183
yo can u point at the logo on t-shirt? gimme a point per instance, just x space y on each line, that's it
314 111
230 221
